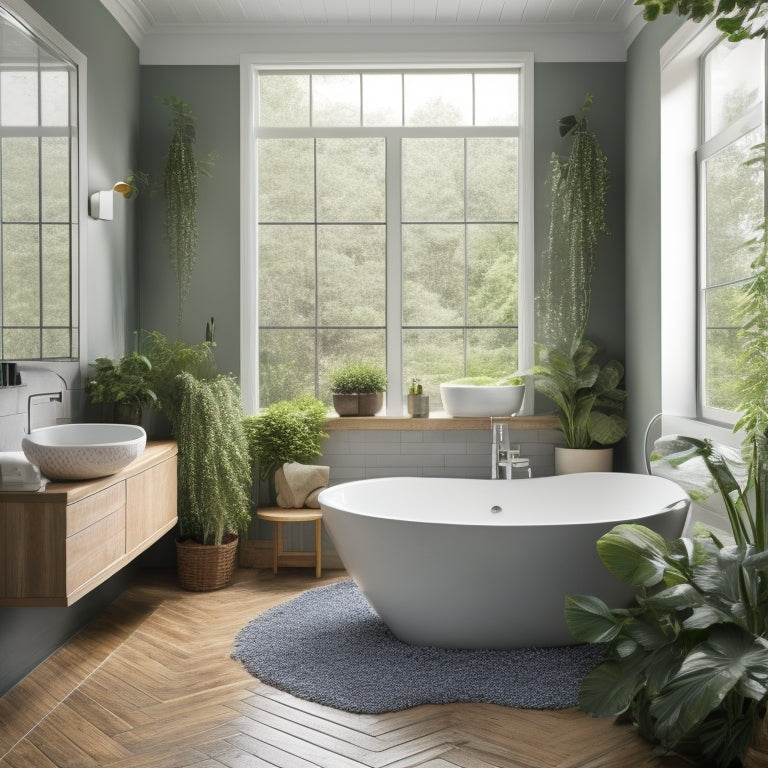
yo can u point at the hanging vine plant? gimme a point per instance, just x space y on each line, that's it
737 19
181 188
579 186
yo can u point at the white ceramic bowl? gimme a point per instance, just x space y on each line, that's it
83 451
470 400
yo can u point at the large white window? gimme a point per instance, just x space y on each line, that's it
731 205
385 223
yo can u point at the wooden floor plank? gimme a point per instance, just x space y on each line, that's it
150 683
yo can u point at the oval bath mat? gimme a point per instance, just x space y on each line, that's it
329 646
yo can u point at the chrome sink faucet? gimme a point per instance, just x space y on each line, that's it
506 459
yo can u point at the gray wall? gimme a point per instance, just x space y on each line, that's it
213 93
28 635
643 217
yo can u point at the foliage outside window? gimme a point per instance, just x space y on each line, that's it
731 206
387 226
38 250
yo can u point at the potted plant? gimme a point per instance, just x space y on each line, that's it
483 396
418 402
589 401
214 475
289 430
124 385
358 388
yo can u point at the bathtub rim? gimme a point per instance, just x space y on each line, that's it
621 516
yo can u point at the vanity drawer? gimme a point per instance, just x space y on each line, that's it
90 510
92 549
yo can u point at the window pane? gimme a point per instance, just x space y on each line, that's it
286 364
21 275
286 275
496 98
54 98
733 77
21 343
352 274
20 179
336 99
54 179
382 99
438 99
433 179
286 180
492 179
433 274
18 98
491 352
284 100
734 208
434 356
722 388
56 342
492 274
336 347
56 297
350 180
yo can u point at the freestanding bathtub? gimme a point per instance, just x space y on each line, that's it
464 563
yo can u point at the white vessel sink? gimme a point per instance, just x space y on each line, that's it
83 451
469 400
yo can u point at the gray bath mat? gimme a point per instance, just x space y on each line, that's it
329 646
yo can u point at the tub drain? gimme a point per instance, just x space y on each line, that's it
495 509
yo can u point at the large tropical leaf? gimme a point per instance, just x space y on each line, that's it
731 660
590 620
635 554
609 688
605 428
610 376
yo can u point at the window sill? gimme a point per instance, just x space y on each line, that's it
435 422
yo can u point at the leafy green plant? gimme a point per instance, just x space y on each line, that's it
125 381
738 19
170 358
588 397
358 377
214 464
578 187
289 430
181 177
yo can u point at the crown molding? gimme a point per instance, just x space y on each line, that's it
131 16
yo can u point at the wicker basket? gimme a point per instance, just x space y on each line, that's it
205 567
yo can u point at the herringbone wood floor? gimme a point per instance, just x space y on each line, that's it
150 683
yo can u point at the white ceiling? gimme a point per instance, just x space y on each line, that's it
310 12
211 31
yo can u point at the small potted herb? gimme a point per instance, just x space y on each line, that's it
418 402
125 385
358 388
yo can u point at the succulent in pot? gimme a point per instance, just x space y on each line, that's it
358 388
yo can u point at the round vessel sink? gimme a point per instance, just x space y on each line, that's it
469 400
83 451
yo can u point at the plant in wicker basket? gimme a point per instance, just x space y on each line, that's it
214 478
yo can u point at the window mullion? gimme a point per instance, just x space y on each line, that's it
394 267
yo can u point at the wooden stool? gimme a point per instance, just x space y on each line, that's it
278 516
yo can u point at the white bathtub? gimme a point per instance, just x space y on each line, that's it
487 563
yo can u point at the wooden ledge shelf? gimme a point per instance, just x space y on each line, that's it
280 515
437 422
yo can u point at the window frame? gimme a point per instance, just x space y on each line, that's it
250 65
682 314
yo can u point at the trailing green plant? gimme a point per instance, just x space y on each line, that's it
214 469
170 358
577 219
181 177
125 381
357 377
737 19
588 397
288 430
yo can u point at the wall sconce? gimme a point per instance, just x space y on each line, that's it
102 204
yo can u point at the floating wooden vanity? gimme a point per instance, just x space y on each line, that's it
59 544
